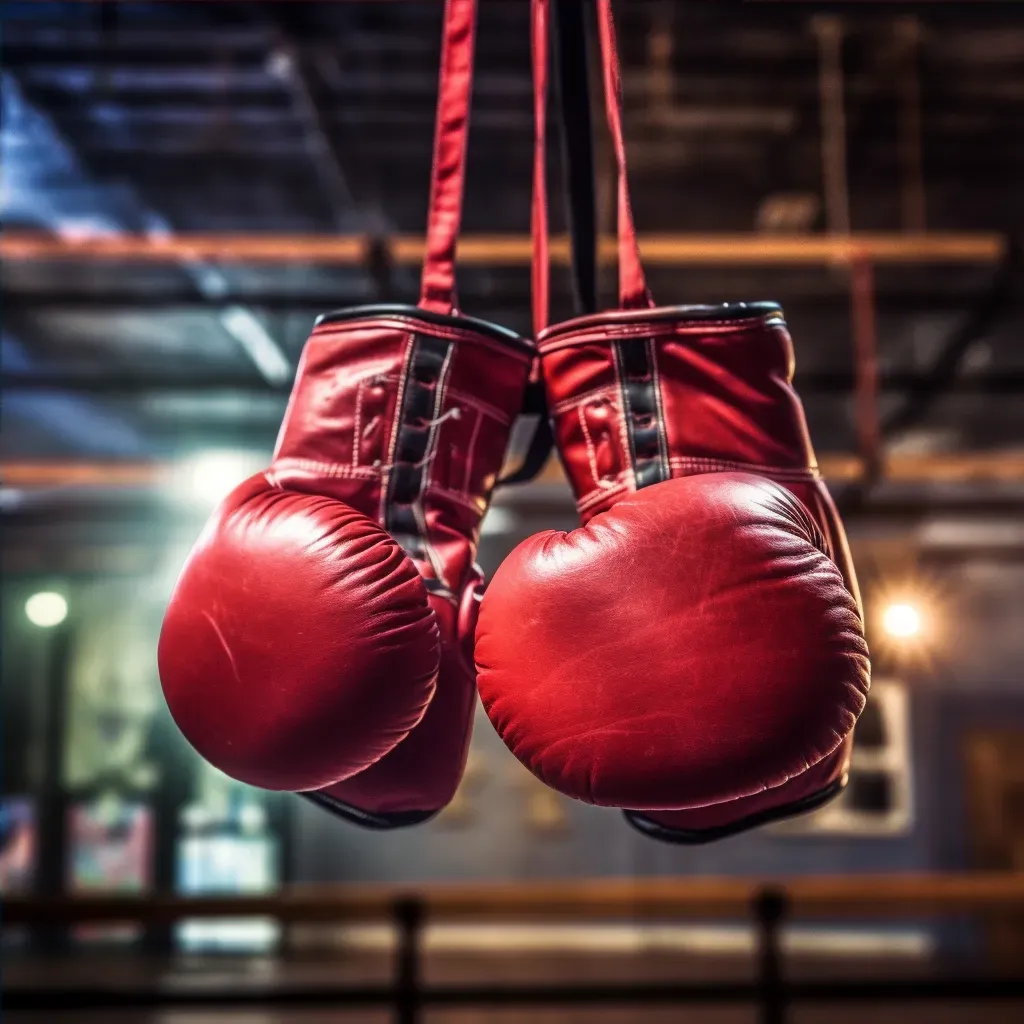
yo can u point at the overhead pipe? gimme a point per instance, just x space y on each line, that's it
512 250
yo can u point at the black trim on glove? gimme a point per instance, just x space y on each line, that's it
367 819
694 837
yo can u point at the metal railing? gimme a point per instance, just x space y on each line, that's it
769 904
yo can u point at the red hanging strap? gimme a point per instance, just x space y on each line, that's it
451 134
633 291
541 266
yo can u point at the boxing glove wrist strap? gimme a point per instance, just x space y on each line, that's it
451 134
633 290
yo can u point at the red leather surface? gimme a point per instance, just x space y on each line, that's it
726 392
301 649
300 646
692 645
633 291
451 137
727 403
540 264
696 649
810 783
338 434
423 771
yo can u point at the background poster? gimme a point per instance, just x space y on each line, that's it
18 844
111 850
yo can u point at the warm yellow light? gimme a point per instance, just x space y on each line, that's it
46 609
901 620
209 476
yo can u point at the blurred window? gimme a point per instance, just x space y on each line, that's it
226 848
877 800
111 850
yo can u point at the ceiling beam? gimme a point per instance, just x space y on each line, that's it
237 321
512 250
942 296
121 383
966 468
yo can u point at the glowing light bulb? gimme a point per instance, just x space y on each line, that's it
901 620
209 476
46 609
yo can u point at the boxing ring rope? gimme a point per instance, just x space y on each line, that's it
768 904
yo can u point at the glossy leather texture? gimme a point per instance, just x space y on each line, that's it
694 653
319 636
696 648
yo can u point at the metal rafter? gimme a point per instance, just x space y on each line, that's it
240 323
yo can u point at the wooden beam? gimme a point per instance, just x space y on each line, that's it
39 475
837 467
515 250
847 897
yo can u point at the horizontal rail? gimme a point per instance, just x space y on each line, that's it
120 383
590 993
513 250
938 467
940 297
839 467
868 896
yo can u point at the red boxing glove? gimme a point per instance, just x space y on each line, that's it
305 637
696 646
695 652
319 638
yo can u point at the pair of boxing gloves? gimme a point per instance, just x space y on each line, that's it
693 653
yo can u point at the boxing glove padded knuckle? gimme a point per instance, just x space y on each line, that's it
299 647
613 660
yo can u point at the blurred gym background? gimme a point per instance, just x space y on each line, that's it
187 185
